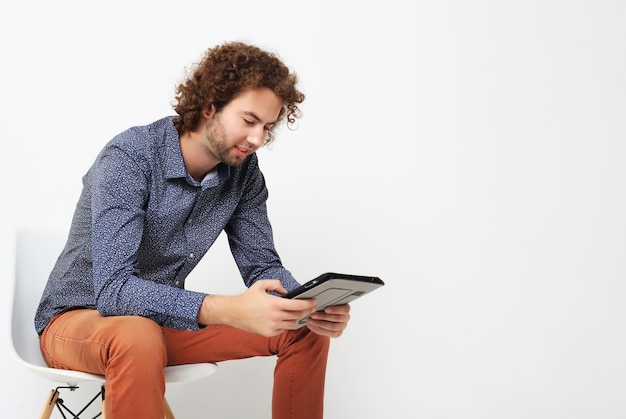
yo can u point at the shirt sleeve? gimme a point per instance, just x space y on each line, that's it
250 235
119 192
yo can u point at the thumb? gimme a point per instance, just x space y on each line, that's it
271 285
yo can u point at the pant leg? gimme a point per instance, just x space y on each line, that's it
128 350
300 372
131 352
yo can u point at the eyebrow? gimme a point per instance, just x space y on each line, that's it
256 117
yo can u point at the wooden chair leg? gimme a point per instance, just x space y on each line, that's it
49 406
102 395
168 410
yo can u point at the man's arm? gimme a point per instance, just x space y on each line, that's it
250 234
251 241
119 192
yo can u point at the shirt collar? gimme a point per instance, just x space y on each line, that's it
175 165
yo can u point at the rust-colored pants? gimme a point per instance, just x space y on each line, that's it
131 352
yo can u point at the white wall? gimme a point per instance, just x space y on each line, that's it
470 153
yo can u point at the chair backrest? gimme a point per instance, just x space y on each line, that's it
36 253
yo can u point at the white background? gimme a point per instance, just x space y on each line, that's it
470 153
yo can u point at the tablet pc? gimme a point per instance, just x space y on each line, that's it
333 289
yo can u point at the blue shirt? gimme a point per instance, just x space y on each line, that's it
142 224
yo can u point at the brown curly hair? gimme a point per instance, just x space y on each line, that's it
224 73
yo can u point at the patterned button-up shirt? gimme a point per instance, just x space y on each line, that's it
142 224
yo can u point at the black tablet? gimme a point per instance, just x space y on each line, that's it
333 289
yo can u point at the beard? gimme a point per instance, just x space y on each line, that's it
217 144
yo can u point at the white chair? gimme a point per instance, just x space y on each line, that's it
35 255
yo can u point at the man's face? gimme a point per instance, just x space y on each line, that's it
242 126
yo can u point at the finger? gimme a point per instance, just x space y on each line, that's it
323 328
296 316
269 285
290 324
297 305
281 290
331 317
341 309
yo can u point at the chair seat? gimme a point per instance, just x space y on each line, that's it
69 377
173 374
188 372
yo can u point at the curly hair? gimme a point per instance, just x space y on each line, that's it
225 72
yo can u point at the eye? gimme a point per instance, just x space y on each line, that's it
248 122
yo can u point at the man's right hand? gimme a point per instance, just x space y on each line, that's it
255 310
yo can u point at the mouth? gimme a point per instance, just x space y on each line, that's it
241 152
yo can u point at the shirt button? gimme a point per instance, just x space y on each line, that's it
189 220
177 283
190 255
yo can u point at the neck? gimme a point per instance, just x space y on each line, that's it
198 160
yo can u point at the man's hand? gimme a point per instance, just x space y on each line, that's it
255 310
330 322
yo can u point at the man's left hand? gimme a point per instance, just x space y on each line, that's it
330 322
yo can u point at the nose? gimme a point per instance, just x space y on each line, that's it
254 141
257 138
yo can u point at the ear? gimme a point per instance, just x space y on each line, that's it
208 112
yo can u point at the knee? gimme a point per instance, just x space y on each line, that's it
320 342
303 340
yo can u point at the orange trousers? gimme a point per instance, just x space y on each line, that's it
131 352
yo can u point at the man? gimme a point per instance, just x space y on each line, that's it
152 204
